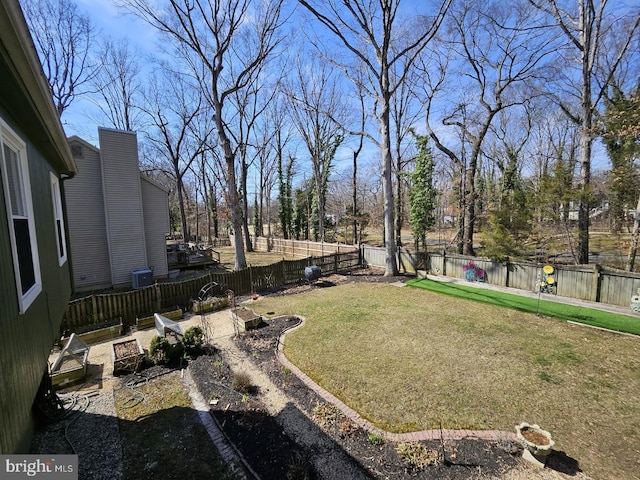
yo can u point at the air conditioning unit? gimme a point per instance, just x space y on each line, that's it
141 278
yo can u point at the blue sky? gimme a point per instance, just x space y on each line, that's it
113 22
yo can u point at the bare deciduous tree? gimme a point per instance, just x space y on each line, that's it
117 85
317 109
367 31
588 25
231 39
498 54
63 37
176 111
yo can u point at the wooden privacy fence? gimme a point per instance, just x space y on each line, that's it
97 310
585 282
300 248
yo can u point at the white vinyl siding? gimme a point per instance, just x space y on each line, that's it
86 222
24 247
58 218
155 204
123 203
117 219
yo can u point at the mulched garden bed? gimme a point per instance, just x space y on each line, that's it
245 422
272 454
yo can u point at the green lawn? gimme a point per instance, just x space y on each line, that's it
561 311
410 359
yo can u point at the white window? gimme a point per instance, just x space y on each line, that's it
22 232
58 219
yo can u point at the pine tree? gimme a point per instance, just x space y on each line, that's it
511 222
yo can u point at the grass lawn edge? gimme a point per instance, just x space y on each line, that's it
561 311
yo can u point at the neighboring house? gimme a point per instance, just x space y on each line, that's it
118 218
35 283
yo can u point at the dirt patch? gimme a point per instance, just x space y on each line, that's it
124 350
534 437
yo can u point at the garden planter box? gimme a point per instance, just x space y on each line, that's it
71 365
127 355
101 334
148 322
245 319
210 305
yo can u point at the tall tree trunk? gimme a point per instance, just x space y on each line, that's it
355 194
197 217
469 207
183 215
232 188
320 206
635 237
245 204
399 199
586 142
214 209
391 265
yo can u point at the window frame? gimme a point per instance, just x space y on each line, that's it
9 138
58 219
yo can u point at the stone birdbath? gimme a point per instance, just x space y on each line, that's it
537 443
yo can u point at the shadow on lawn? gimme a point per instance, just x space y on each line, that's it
169 444
561 462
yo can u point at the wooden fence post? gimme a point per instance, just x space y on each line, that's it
595 286
94 308
506 274
158 291
444 263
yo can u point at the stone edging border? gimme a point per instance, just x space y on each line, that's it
440 434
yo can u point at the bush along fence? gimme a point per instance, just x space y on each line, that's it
585 282
101 310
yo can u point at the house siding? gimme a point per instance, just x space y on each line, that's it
86 222
155 204
27 338
123 203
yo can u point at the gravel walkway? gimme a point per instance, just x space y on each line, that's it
89 430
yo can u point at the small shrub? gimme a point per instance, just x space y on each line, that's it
375 439
254 412
299 468
193 340
416 455
287 375
326 414
160 350
241 383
